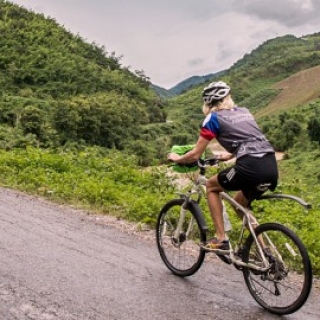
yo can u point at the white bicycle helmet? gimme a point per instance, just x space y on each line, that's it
215 91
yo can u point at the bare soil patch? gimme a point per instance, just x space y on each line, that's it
296 90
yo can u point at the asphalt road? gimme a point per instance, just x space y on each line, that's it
60 263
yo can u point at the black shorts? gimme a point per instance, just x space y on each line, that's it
252 175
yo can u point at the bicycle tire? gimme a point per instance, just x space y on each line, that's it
183 257
285 287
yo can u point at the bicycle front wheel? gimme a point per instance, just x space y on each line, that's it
181 253
285 286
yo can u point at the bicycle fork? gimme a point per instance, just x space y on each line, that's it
178 232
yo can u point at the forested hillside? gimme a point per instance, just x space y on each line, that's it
56 89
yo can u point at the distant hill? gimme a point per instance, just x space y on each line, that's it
161 92
191 82
185 85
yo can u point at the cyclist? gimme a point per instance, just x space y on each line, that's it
255 169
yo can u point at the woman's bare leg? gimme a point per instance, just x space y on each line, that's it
215 206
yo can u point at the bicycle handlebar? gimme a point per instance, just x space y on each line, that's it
200 163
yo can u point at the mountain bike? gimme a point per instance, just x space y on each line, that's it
274 261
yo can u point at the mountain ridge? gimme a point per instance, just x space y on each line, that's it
185 85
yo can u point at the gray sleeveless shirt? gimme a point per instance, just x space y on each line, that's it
237 131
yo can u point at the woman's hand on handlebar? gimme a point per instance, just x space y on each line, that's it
173 157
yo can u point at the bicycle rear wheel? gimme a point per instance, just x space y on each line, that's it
285 287
183 255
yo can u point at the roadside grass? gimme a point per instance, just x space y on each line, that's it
104 183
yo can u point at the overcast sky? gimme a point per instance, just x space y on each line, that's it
171 40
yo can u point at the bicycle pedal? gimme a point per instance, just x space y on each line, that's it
221 251
217 251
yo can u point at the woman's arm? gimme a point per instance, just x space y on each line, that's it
192 155
225 156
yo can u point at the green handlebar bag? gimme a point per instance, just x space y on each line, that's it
184 168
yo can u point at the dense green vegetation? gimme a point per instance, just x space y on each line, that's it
58 90
298 128
95 178
78 127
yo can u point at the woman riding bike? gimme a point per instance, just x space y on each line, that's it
255 170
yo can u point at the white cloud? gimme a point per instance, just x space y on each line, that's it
287 12
174 39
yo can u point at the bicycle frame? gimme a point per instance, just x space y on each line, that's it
246 223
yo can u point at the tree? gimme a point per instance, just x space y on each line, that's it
31 121
314 129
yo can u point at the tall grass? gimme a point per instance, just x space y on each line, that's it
107 183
